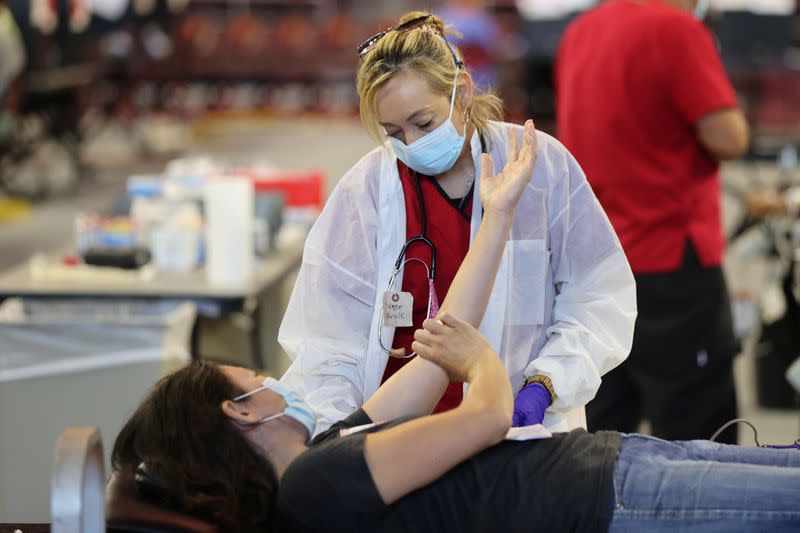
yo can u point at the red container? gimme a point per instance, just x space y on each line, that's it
300 188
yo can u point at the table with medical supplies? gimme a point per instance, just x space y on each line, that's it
252 306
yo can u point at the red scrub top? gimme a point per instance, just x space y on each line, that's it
448 229
632 79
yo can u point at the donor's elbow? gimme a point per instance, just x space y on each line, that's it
494 419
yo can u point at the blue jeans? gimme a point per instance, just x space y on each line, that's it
704 486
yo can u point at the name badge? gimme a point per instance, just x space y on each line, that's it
397 309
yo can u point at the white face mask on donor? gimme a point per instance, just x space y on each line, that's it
435 152
296 406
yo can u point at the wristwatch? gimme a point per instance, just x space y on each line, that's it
545 382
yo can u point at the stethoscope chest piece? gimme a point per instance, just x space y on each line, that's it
398 306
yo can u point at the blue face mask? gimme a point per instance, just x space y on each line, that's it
435 152
296 407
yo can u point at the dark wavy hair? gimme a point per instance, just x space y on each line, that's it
208 468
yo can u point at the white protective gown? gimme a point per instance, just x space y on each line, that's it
563 303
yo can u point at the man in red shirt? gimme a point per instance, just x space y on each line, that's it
644 105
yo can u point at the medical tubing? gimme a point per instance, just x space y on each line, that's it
726 425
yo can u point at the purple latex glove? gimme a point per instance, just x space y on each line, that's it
530 405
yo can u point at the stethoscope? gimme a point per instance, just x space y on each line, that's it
399 265
433 300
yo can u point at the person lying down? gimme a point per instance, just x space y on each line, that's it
232 447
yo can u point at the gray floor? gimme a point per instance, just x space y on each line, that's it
332 146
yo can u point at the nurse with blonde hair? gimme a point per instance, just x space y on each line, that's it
399 223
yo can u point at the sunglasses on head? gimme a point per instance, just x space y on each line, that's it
421 23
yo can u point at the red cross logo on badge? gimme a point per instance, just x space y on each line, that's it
395 297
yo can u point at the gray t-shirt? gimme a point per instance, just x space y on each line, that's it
559 484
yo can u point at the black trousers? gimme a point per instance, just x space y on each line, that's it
679 375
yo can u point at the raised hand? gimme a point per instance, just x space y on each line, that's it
502 192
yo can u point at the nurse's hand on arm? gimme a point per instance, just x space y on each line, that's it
417 387
411 455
